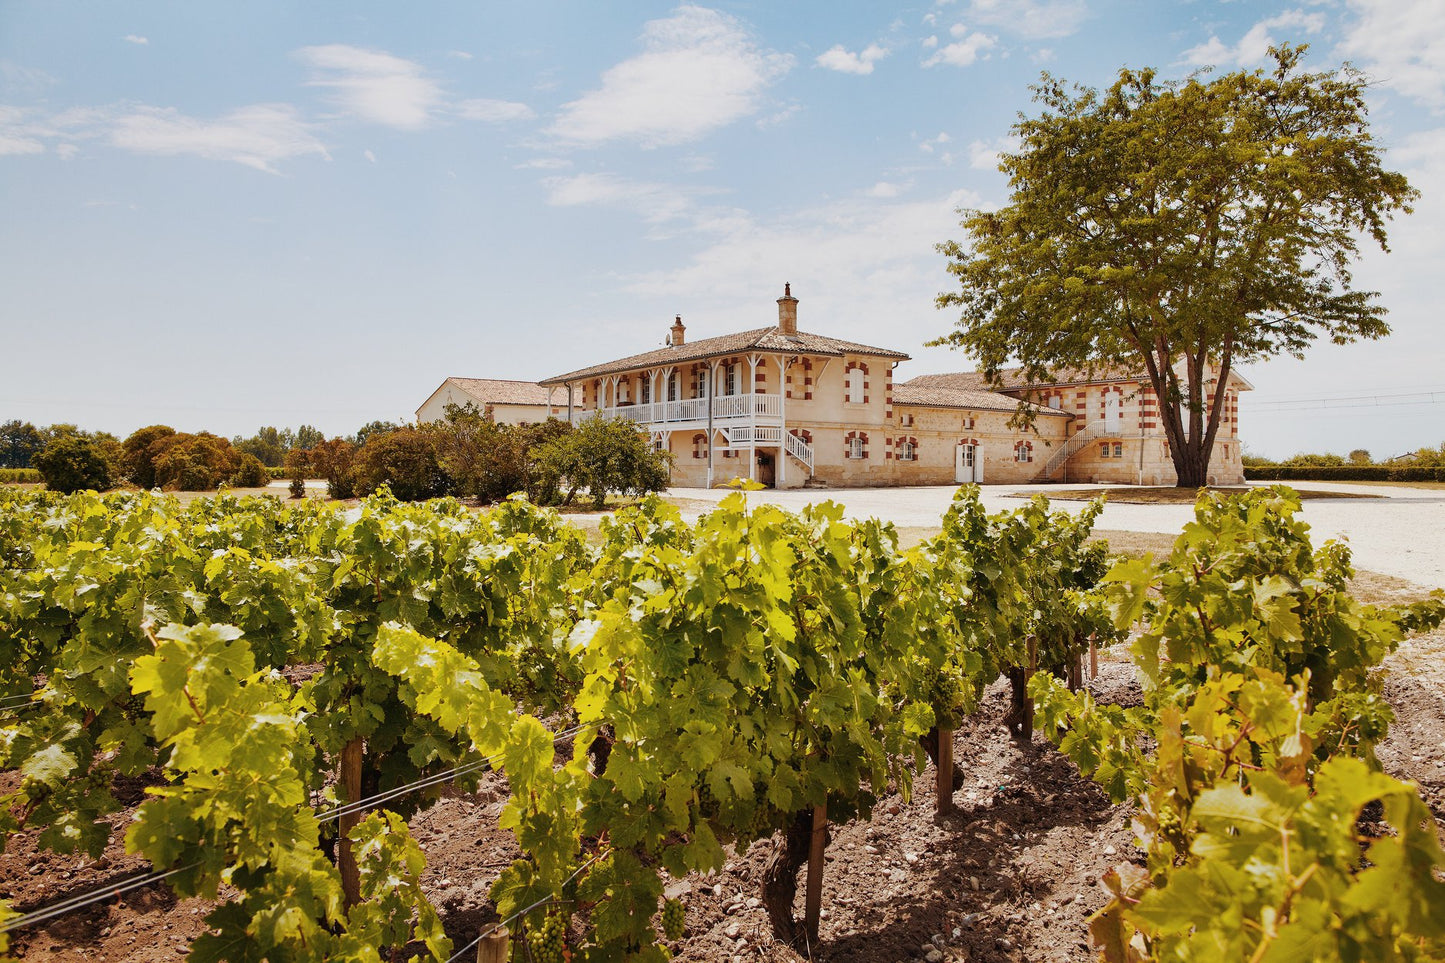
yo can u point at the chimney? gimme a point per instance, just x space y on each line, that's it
678 330
788 312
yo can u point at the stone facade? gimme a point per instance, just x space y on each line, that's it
789 408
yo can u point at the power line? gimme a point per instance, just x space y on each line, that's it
1350 401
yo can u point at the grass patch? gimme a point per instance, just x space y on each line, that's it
1167 496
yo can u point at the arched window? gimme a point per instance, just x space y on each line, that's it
857 445
699 446
1024 451
908 450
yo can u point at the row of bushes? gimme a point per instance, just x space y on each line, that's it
20 476
469 456
1395 473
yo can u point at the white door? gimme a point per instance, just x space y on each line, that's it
967 466
1111 413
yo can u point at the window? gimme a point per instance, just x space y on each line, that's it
730 379
699 382
1118 449
906 419
908 450
1104 450
672 386
699 446
1055 402
622 387
853 386
645 391
857 445
1024 451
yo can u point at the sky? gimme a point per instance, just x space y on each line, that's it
223 216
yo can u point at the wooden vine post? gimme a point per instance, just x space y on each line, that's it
1028 716
350 779
945 770
813 902
493 946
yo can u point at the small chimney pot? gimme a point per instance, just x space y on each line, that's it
788 312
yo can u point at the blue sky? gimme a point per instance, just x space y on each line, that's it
228 215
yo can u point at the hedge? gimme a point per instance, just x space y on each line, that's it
20 476
278 473
1394 473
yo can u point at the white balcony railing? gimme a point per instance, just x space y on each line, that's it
726 408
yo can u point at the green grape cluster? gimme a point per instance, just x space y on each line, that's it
546 942
674 919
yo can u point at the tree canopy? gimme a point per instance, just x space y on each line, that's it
1177 229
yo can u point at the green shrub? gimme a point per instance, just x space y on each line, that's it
249 473
139 451
74 463
200 462
20 476
332 460
405 460
606 455
1396 473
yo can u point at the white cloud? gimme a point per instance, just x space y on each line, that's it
21 132
257 136
369 156
12 144
928 144
930 42
1253 48
66 151
133 38
544 164
1401 43
654 202
856 264
885 189
699 70
373 85
493 111
459 54
844 61
17 80
964 51
984 155
1033 19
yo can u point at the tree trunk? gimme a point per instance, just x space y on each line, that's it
780 875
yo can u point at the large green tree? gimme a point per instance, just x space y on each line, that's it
1178 228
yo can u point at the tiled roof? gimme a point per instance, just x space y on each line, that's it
1012 378
490 391
759 339
931 396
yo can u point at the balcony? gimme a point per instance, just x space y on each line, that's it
691 412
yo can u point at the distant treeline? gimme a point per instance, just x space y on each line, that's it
1425 464
466 455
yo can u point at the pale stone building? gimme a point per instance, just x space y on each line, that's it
505 402
787 408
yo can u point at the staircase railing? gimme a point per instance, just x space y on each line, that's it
1059 458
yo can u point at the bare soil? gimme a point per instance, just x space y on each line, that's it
1010 875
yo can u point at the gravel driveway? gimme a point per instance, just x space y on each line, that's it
1401 533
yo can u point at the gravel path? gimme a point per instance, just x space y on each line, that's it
1401 533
